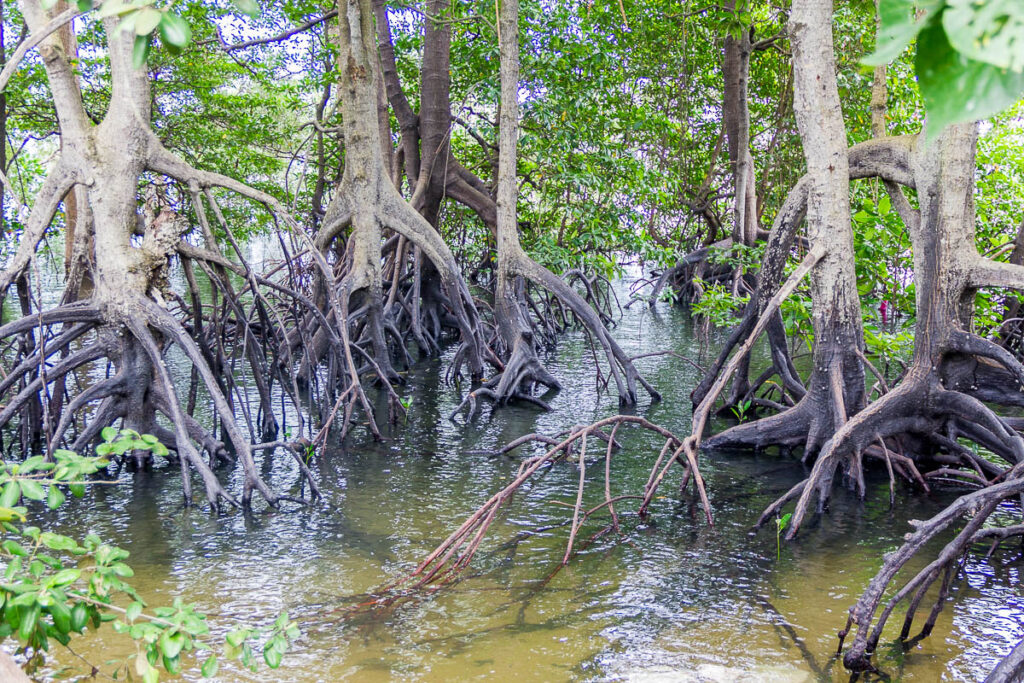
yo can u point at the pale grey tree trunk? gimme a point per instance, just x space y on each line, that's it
523 370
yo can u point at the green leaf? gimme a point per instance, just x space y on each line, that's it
210 667
884 205
122 570
133 611
65 577
957 89
898 26
249 7
113 8
127 24
32 490
172 664
171 643
14 548
108 433
147 20
13 567
237 636
56 541
7 514
31 464
272 655
991 31
61 615
29 617
79 617
140 51
11 494
54 498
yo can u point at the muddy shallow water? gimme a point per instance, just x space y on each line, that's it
674 600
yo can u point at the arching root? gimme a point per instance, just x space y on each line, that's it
974 508
453 555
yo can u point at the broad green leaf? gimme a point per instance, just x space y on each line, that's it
11 494
272 655
108 433
210 667
990 31
884 205
250 7
133 611
32 490
14 548
957 89
899 24
7 514
31 464
140 51
122 570
56 541
79 616
61 615
66 577
113 8
127 24
54 498
147 20
29 617
171 643
172 664
237 636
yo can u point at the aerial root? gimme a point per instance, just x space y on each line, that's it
521 373
973 509
186 450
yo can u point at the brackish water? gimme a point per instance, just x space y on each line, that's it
674 600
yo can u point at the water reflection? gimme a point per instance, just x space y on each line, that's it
678 602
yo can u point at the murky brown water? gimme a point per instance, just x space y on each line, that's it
677 601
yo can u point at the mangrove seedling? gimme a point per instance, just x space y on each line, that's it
780 526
